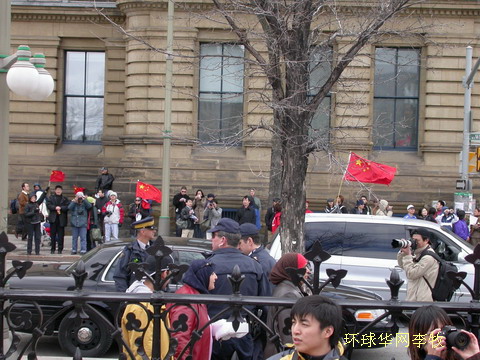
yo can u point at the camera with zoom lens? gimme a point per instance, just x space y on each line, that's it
402 243
454 337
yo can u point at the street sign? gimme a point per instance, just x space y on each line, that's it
475 137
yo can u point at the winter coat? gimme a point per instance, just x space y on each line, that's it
383 208
278 316
417 288
123 275
117 212
134 210
179 205
266 261
254 284
32 211
246 215
52 202
447 220
461 229
269 218
79 213
291 354
130 335
197 317
214 214
185 215
22 202
276 221
100 203
199 207
104 182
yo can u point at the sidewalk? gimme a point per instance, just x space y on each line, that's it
20 253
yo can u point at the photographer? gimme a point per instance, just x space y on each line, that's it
78 208
447 218
433 322
418 272
214 213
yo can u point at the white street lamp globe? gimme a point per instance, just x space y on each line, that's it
22 77
45 86
45 81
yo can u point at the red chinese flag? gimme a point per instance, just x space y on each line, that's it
148 192
57 176
363 170
77 189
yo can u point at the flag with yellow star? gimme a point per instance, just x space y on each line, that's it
366 171
148 192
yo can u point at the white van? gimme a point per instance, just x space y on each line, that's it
361 244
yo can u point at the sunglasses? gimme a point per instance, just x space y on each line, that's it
138 200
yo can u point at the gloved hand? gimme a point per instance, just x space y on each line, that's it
119 225
48 188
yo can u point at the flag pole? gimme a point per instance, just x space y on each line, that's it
343 177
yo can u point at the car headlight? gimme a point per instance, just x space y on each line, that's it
368 315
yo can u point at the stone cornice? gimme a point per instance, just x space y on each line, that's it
33 139
34 13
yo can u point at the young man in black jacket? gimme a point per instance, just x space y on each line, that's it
246 214
57 204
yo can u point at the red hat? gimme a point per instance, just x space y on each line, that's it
301 261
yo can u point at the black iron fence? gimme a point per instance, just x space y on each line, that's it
40 311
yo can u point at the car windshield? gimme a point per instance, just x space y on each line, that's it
85 258
449 230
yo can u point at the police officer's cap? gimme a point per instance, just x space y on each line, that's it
248 229
146 223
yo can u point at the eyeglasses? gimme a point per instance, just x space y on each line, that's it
138 200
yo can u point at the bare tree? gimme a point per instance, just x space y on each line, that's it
292 32
289 44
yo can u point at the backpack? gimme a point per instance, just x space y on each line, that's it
14 206
444 288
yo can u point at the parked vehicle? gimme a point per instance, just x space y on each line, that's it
92 336
361 244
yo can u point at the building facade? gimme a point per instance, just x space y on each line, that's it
400 102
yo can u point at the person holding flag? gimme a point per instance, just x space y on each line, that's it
57 205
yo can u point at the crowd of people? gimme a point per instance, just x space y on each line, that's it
313 325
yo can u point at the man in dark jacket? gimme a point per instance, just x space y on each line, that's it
134 252
246 214
179 202
104 181
225 256
22 198
102 199
57 205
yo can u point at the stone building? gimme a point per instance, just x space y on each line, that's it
403 105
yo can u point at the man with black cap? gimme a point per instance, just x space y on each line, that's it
134 252
225 239
104 180
419 268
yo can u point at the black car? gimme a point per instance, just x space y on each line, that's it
100 263
91 335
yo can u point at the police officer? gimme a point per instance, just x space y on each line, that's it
250 245
134 252
225 238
